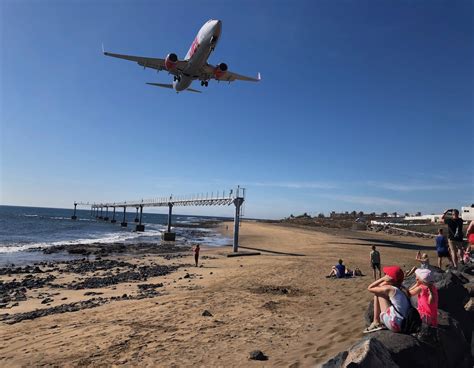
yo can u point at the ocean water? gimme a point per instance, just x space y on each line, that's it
27 228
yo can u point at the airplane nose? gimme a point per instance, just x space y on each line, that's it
217 27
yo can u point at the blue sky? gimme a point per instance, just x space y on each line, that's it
364 105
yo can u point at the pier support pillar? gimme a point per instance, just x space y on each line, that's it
168 235
140 227
74 217
101 211
113 221
136 216
238 203
124 223
106 218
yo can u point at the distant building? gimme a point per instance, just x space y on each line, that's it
432 218
467 213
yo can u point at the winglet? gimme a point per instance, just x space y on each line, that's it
103 51
259 77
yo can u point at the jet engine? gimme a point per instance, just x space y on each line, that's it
220 70
171 61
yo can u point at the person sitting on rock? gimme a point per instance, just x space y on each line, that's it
338 270
424 263
391 304
427 297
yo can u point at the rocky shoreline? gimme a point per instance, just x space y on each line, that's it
103 269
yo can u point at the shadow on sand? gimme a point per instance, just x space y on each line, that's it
384 243
274 252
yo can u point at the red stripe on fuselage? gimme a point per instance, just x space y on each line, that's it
194 47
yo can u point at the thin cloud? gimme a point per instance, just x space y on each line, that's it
368 200
295 185
400 187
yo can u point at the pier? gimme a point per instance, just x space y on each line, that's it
235 197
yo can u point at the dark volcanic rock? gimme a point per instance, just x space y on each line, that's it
16 290
470 288
337 361
257 355
141 273
369 353
452 297
206 313
73 307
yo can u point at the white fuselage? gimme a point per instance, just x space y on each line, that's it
198 53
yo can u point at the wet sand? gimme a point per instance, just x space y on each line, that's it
279 302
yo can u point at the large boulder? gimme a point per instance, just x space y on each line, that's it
405 350
452 296
453 342
369 353
337 361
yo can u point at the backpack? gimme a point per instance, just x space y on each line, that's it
412 321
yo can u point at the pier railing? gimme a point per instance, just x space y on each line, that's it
235 197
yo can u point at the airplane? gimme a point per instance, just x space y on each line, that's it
194 66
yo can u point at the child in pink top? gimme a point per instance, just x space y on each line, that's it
427 297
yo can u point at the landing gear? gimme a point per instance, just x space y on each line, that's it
204 83
177 78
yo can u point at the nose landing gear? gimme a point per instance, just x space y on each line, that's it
177 78
204 83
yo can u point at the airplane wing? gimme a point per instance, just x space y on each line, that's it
148 62
227 76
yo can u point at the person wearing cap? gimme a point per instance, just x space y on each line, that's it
427 297
424 263
391 304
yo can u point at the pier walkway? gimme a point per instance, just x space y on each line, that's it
101 210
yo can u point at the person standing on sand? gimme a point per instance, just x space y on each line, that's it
455 235
442 247
196 250
391 304
375 261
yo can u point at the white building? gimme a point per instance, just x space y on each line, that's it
467 213
432 218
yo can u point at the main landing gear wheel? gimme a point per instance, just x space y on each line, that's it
177 78
204 83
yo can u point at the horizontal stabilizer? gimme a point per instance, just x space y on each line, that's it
193 90
170 86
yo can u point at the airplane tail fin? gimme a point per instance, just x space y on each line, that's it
170 86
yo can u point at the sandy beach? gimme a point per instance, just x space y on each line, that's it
278 302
